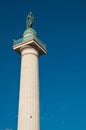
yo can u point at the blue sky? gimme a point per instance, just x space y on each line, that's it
62 26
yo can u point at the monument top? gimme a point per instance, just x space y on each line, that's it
30 38
29 20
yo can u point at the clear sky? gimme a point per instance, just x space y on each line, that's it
62 26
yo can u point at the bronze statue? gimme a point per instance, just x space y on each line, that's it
30 20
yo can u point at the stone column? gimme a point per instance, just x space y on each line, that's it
28 118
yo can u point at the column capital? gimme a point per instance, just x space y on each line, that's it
28 50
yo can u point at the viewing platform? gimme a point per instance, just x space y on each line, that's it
31 39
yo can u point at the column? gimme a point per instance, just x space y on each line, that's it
28 118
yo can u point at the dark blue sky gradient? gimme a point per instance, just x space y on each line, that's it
62 26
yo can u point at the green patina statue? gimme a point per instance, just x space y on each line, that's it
30 20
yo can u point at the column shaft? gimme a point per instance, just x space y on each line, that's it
28 118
